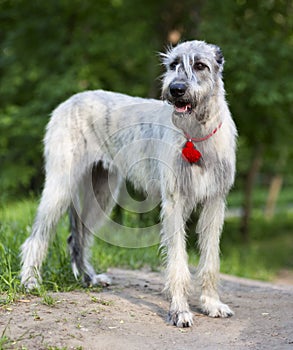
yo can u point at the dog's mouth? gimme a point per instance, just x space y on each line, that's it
182 106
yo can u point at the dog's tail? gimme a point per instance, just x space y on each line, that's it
76 242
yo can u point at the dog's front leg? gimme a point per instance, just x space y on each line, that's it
177 271
209 229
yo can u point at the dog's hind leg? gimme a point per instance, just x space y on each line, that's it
54 202
65 165
98 201
209 229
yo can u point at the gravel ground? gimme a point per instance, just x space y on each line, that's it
131 315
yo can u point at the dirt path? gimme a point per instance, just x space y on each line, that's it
131 315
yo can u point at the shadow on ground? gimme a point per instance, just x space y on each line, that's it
131 315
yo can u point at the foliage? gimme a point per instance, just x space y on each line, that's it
259 67
256 36
50 50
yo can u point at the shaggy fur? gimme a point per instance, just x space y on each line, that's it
95 139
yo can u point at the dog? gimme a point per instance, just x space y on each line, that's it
186 142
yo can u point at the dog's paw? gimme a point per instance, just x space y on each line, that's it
215 308
30 278
30 284
180 319
101 280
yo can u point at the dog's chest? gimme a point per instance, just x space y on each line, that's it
210 176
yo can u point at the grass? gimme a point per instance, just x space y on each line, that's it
15 225
8 343
259 198
269 250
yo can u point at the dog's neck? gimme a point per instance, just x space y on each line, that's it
196 124
203 119
204 138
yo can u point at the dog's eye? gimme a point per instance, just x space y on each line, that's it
173 65
199 66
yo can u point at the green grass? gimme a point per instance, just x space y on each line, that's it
15 225
259 198
269 250
7 343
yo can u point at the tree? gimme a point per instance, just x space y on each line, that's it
54 49
256 36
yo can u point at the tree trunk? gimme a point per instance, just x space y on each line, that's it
248 191
275 188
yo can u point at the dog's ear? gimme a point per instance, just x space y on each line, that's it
219 56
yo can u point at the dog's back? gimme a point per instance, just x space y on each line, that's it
97 138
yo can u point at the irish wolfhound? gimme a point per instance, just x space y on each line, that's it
186 143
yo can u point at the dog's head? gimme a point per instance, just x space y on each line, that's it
193 74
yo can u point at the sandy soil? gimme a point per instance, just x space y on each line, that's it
131 315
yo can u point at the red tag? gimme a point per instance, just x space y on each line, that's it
190 153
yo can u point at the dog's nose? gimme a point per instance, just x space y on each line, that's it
177 89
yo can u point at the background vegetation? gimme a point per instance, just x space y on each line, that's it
50 50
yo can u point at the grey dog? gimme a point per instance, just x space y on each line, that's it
186 142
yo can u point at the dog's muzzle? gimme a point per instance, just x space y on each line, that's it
178 99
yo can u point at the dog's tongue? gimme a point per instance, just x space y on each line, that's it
183 109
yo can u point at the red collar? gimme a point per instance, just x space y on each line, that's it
205 137
189 153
